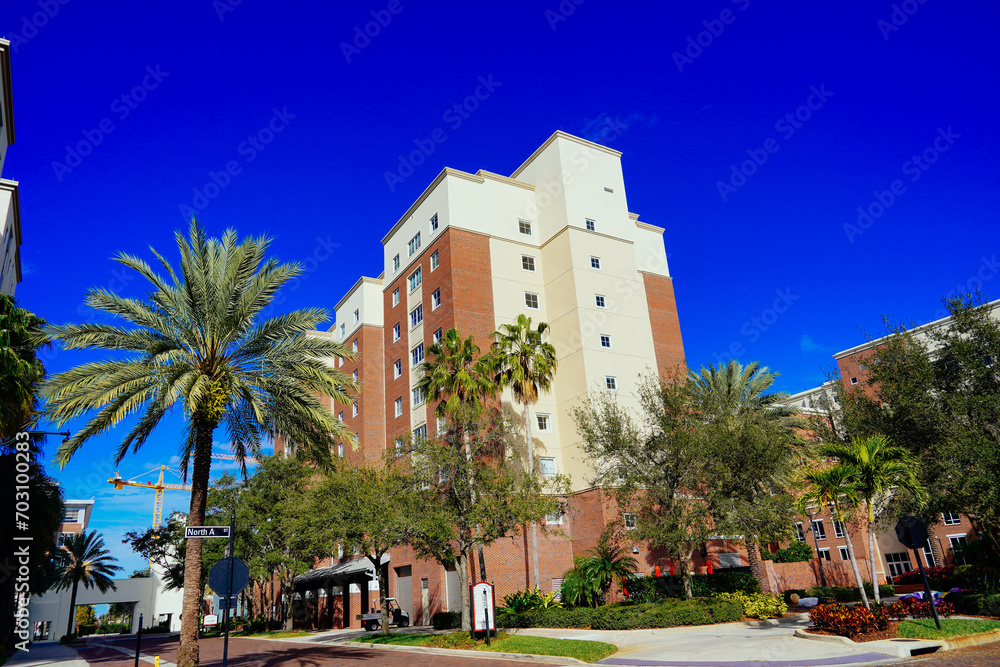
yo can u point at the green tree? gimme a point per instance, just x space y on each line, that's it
877 470
835 487
85 615
753 448
21 334
200 341
654 463
527 364
84 560
592 576
165 547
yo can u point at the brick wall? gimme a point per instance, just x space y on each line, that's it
664 322
806 574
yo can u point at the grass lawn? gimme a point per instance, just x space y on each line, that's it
588 651
924 628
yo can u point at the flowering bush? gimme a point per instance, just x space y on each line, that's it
913 576
849 621
757 605
922 609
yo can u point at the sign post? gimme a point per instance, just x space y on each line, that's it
484 612
912 533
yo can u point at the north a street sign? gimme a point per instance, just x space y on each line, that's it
199 532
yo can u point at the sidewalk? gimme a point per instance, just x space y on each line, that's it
47 653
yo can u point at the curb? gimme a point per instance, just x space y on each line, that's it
972 640
883 646
462 653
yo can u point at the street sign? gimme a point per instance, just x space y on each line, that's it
483 612
200 532
219 578
911 532
211 619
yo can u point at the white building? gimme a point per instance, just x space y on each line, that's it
10 210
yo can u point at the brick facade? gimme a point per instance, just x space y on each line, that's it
665 323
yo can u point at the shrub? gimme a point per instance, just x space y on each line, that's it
848 593
446 620
670 613
84 629
913 576
530 599
796 552
849 621
922 609
66 639
967 602
110 628
787 595
989 605
758 605
578 617
705 585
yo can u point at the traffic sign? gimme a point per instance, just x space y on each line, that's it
200 532
219 578
911 532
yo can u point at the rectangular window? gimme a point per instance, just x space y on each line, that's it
354 408
436 298
355 375
605 341
590 225
547 467
595 262
611 383
437 336
898 563
340 362
442 425
397 368
357 316
413 245
799 533
398 447
838 528
824 554
420 433
544 422
395 263
629 520
399 406
343 329
434 223
951 519
417 354
528 263
844 554
818 529
958 544
599 300
416 316
929 557
340 416
531 300
72 516
415 280
524 227
435 262
395 332
395 297
418 396
555 519
354 346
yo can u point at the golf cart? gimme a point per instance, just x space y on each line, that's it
397 617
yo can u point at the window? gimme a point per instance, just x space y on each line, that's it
340 362
442 425
437 336
838 528
629 519
395 297
524 227
399 447
605 340
399 406
818 529
354 346
544 422
436 299
413 245
929 559
415 280
595 262
531 300
898 563
416 316
844 553
340 449
824 554
395 332
854 380
958 544
434 223
951 519
418 396
590 225
609 190
354 408
417 354
397 368
357 316
611 383
435 262
799 533
547 467
395 263
72 516
555 519
340 416
355 375
528 263
343 329
599 300
420 433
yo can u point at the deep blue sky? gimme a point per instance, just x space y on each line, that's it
322 179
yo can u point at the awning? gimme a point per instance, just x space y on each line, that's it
337 575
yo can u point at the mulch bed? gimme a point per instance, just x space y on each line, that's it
892 632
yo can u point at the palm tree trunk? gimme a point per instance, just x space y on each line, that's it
854 565
187 655
871 552
72 608
531 471
753 558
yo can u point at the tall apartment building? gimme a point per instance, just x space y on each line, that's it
10 209
555 241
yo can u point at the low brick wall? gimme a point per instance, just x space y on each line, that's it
783 576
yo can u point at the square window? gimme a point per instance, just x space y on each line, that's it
397 368
415 280
435 261
524 227
544 422
413 245
357 316
395 263
437 336
824 554
417 354
599 300
434 222
395 297
844 553
418 396
354 408
951 519
611 383
416 316
531 300
595 262
395 332
528 263
399 406
590 225
354 346
854 380
547 467
605 341
436 298
629 520
898 563
818 529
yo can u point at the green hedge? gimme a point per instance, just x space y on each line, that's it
666 614
446 620
651 589
84 629
848 593
576 617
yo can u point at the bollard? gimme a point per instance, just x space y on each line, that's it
138 641
156 661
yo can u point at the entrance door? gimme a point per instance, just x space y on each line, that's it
404 590
454 592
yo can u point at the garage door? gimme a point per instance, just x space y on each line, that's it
404 589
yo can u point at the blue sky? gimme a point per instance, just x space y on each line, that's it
753 132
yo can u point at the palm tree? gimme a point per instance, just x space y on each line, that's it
201 340
592 576
83 559
527 364
753 447
876 468
22 370
834 487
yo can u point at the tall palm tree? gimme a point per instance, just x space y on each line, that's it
84 560
835 488
21 370
527 364
754 447
876 468
202 340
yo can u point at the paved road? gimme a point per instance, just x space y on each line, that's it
987 655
